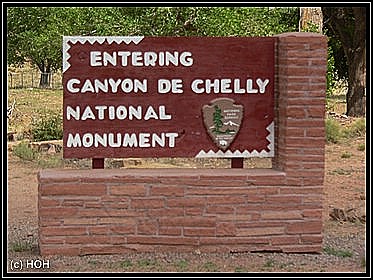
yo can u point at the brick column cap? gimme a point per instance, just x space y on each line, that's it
299 34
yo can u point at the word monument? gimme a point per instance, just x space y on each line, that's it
189 97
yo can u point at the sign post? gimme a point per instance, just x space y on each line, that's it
168 97
98 163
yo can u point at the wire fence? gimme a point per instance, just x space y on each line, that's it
34 79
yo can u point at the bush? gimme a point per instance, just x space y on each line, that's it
357 129
332 131
337 252
361 147
24 151
21 246
48 126
50 161
346 155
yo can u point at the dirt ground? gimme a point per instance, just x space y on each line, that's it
344 229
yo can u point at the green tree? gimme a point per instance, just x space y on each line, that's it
214 21
346 28
35 33
217 119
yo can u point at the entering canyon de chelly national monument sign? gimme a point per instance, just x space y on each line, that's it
200 97
169 97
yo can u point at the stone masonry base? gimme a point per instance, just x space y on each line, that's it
145 210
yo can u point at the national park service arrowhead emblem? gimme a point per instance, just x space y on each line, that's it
222 120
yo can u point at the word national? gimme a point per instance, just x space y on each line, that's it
121 112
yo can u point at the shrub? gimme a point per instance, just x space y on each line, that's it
50 161
125 264
357 129
24 151
361 147
21 246
332 131
337 252
346 155
48 126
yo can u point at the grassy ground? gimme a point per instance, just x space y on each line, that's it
31 104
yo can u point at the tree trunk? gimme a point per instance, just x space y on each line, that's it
357 66
356 84
44 80
311 20
356 60
349 26
45 75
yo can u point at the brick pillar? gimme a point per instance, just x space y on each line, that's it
300 107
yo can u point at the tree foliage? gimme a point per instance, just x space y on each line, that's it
35 34
214 21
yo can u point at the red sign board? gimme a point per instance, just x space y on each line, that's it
168 97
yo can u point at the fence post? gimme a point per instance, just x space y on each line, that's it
11 80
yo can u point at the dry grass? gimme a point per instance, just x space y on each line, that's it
31 103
